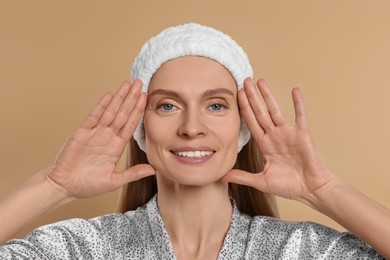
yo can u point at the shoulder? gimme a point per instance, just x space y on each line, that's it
307 240
99 238
111 227
117 224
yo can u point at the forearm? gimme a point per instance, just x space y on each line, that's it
356 212
26 202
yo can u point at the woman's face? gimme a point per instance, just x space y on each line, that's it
192 121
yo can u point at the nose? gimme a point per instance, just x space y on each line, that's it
192 125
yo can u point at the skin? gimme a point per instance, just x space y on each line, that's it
84 167
193 111
294 169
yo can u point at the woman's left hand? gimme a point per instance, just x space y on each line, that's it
293 168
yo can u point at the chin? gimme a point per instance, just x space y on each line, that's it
191 179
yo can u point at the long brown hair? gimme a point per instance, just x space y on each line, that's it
249 200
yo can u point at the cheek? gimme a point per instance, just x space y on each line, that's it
229 129
152 141
232 133
152 134
158 135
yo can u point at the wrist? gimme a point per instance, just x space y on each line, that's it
58 194
26 202
320 198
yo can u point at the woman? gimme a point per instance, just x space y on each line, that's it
195 143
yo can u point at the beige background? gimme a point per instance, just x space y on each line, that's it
58 57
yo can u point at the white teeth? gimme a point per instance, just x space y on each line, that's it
196 154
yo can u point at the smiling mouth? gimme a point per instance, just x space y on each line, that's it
194 154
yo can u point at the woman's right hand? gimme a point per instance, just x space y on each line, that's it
85 166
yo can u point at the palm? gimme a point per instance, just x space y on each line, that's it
293 167
85 166
287 151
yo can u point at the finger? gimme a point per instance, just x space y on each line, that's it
134 118
257 104
245 178
249 117
134 173
127 106
300 111
273 106
112 109
96 113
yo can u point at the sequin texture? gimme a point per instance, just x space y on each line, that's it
140 234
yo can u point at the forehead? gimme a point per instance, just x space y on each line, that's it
192 73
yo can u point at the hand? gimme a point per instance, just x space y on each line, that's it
293 167
85 166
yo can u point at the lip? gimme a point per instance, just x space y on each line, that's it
192 148
192 160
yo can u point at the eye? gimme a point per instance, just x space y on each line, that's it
217 107
167 107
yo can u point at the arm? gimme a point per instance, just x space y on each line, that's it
355 211
85 166
28 201
294 168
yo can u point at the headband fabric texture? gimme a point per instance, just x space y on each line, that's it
191 39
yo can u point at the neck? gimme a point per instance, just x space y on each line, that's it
196 218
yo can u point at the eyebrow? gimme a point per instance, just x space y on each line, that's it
207 93
164 92
215 91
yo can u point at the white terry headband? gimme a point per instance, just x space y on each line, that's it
191 40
